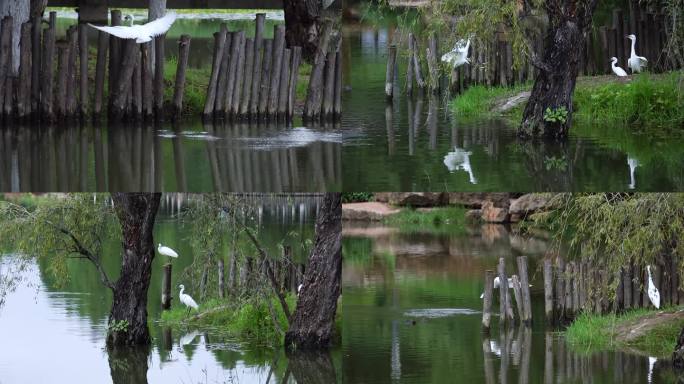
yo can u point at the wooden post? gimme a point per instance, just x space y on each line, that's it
114 55
222 82
525 287
219 41
137 94
258 59
505 310
409 66
389 73
221 278
575 285
179 89
158 87
329 86
36 60
337 107
420 82
265 78
125 79
284 85
239 76
24 91
232 69
83 73
517 292
433 69
62 77
294 79
487 300
72 37
548 291
100 69
5 58
568 290
249 79
166 287
278 51
312 107
560 288
583 285
47 83
146 80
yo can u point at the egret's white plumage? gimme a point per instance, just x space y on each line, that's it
617 70
635 63
166 251
141 33
459 55
299 288
653 293
186 299
497 283
459 159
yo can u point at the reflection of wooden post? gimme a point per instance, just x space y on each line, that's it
166 287
548 358
548 291
488 366
517 292
525 289
389 73
221 279
505 310
487 300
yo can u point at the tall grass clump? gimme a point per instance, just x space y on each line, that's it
479 100
434 220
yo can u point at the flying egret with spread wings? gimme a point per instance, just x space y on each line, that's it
141 33
459 55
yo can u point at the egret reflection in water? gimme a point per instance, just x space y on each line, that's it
238 157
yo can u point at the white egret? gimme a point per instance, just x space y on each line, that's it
459 159
494 347
633 164
653 293
635 63
617 70
459 55
186 299
299 288
497 283
141 33
166 251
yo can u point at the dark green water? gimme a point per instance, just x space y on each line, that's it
412 314
61 328
418 145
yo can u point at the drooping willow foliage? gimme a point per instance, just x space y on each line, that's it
615 230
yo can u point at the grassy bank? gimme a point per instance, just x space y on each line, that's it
647 99
589 332
434 220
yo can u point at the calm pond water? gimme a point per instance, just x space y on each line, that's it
62 328
417 145
187 156
412 314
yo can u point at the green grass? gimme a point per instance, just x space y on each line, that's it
435 220
249 320
591 332
479 100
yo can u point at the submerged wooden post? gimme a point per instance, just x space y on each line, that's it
258 59
505 309
166 287
100 69
5 58
265 78
179 88
278 52
221 279
389 73
487 300
312 107
24 91
83 73
219 41
525 287
47 82
329 86
517 292
284 85
548 291
294 79
36 60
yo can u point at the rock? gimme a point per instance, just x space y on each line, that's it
475 200
369 211
532 203
493 214
412 199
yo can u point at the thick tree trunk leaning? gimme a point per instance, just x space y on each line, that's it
311 325
128 317
303 25
558 68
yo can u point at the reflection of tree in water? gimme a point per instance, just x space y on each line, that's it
311 367
129 365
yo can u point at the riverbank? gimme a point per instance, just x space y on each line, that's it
643 331
644 99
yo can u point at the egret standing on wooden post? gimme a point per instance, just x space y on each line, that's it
653 293
141 33
635 63
166 251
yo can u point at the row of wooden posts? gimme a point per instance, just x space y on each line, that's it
50 86
491 62
521 290
573 287
288 275
257 78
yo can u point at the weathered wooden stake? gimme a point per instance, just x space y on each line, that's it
409 65
294 79
258 59
83 73
236 49
517 292
329 86
433 68
24 91
47 83
505 309
568 290
222 82
265 78
420 82
548 291
278 52
114 55
239 77
337 107
159 61
72 39
221 279
62 77
284 85
36 59
5 57
100 69
219 42
525 287
137 92
166 287
125 80
179 89
389 73
487 300
248 82
560 288
146 80
312 107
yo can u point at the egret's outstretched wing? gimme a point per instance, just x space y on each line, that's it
643 60
120 31
160 26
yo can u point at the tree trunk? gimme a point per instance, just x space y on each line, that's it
136 212
303 25
555 81
19 10
678 355
311 325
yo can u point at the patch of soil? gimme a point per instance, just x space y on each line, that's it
633 329
369 211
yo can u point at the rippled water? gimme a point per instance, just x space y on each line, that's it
417 144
